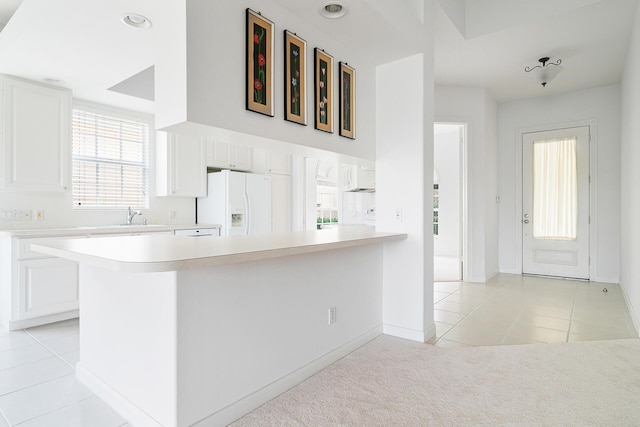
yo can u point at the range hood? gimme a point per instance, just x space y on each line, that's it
359 179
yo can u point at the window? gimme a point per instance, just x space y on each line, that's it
327 204
110 161
555 189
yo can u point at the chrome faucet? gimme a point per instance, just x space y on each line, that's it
131 214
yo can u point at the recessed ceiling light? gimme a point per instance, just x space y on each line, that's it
136 21
333 10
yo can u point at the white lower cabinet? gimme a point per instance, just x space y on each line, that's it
47 286
198 232
36 289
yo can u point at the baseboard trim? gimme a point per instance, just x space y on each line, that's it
605 279
430 333
259 397
410 334
634 316
13 325
123 406
136 416
491 275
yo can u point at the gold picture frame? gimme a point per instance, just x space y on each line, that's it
259 77
347 115
323 99
295 78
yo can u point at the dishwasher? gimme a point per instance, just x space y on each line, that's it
198 232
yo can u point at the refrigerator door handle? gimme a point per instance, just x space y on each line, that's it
247 211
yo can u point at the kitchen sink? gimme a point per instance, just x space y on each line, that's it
97 227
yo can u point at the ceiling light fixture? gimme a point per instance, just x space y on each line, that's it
544 73
333 10
136 21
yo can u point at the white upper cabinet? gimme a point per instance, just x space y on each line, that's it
279 163
271 162
181 166
36 136
229 156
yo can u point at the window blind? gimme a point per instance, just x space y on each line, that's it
110 161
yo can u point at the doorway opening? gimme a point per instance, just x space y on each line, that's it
449 202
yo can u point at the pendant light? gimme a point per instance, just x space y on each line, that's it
546 72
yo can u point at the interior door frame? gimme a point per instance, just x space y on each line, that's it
464 190
593 185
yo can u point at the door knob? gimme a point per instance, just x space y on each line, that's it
526 221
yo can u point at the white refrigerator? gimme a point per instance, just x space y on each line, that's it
239 202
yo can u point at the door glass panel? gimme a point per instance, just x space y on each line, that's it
555 189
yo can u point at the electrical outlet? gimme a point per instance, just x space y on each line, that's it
399 215
172 214
38 214
26 215
332 315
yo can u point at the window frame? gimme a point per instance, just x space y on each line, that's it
118 113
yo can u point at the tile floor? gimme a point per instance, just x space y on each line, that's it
38 386
512 309
37 381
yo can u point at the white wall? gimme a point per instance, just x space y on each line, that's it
404 179
212 50
601 104
476 108
491 264
630 177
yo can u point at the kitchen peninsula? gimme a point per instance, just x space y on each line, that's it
182 331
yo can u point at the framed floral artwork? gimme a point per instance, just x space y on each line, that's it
295 78
259 82
347 101
323 71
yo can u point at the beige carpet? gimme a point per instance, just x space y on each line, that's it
394 382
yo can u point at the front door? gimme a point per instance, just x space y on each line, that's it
555 203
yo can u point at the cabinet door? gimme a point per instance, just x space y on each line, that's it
218 154
280 203
47 286
36 122
187 166
279 163
242 158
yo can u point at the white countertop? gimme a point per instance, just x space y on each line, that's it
153 253
101 229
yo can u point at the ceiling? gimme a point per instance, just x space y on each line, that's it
591 38
483 43
7 9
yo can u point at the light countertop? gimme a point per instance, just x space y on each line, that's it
154 253
101 229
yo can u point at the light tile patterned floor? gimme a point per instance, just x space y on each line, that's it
38 386
37 381
511 309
